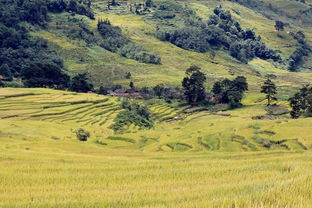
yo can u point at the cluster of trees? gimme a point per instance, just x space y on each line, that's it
225 91
80 83
82 7
231 91
296 59
132 114
221 31
169 9
115 41
79 30
301 103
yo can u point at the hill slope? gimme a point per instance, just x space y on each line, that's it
106 67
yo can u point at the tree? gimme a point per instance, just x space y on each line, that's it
279 25
131 85
6 73
193 84
269 89
80 83
159 90
82 134
240 84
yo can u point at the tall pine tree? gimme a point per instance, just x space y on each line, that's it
270 90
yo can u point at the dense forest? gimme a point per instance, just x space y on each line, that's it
30 58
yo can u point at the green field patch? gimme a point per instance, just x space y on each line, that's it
266 132
209 142
116 138
270 144
179 147
296 144
100 142
144 141
17 95
246 145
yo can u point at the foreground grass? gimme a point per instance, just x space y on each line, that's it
58 174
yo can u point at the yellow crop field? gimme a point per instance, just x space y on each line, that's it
200 160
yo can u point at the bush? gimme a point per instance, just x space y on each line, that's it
82 135
113 39
133 114
138 53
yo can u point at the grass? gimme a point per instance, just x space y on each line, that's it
81 175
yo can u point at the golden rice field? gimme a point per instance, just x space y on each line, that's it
199 160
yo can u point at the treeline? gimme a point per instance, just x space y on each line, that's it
115 41
222 32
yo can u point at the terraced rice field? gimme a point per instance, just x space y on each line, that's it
164 112
58 107
193 160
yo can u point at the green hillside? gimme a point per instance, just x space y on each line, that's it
106 67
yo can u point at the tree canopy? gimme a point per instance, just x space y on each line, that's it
193 84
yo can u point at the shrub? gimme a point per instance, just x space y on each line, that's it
133 113
82 135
